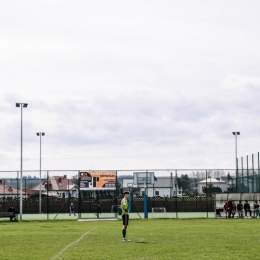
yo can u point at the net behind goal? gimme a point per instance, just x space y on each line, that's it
159 212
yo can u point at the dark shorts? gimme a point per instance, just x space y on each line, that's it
125 218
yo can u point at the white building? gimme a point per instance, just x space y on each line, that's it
129 183
214 182
57 186
163 187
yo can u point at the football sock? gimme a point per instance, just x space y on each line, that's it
124 232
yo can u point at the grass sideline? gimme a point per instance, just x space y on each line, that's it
151 239
134 215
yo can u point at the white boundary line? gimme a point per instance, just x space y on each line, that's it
76 241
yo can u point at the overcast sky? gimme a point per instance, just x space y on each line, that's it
129 84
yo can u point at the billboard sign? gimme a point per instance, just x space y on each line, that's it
97 180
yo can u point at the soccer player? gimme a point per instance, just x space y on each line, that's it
99 206
125 216
72 209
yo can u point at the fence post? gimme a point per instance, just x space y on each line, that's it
207 193
145 206
253 177
47 195
258 172
247 174
176 194
242 167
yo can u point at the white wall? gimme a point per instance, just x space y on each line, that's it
163 192
223 186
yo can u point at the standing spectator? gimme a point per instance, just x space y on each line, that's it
72 209
247 208
225 208
230 207
256 209
11 209
234 208
240 209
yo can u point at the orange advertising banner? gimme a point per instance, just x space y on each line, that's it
98 180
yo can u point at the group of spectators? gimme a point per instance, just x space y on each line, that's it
230 208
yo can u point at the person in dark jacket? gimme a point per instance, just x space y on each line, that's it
72 209
11 209
256 208
247 208
99 206
240 209
234 208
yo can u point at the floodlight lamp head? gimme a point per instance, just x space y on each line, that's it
17 104
37 134
25 105
43 134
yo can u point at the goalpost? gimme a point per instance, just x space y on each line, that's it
159 212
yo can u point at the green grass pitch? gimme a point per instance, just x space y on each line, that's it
150 239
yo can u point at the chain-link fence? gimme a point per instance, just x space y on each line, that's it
173 194
248 175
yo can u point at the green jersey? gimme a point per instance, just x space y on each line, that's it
124 206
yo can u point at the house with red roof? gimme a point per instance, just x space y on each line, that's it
56 186
9 191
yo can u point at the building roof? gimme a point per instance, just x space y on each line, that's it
212 181
57 183
8 190
28 191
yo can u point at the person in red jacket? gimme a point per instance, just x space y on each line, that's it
230 207
225 208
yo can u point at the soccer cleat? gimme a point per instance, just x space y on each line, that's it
126 240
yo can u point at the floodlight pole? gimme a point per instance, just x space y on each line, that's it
236 134
21 175
40 190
